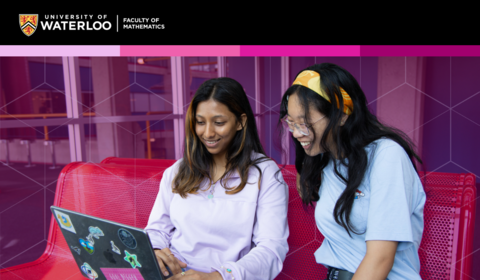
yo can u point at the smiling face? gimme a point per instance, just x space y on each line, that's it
296 114
216 126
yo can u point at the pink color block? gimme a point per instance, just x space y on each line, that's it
179 50
121 273
299 50
59 50
420 50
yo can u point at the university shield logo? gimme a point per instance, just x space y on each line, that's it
28 24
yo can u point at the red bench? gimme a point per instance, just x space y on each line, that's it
124 190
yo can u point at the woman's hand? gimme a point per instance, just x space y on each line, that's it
197 275
165 257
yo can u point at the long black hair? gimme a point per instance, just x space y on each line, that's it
197 160
360 129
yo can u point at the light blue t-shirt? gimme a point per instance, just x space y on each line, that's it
391 208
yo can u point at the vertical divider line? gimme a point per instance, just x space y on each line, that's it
177 98
270 111
451 130
45 209
284 78
360 66
76 132
258 95
222 66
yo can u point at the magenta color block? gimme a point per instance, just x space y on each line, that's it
419 50
179 50
299 50
121 273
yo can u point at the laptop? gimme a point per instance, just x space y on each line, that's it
106 250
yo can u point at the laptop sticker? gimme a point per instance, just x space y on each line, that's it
115 248
132 259
64 221
95 232
88 270
76 249
87 246
90 239
127 238
121 273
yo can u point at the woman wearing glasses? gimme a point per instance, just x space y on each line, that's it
361 174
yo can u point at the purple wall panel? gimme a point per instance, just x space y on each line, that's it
437 82
272 96
450 142
436 144
465 81
465 139
241 69
368 80
452 136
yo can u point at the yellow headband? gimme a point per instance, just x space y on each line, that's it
311 80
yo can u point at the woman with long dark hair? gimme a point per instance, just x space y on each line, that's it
221 211
361 173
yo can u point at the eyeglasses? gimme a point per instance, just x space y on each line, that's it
303 128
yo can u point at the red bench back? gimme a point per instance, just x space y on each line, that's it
449 217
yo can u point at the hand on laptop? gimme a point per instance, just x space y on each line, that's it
166 258
197 275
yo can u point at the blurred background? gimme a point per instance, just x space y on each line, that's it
57 110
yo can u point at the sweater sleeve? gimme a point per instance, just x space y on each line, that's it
270 232
160 228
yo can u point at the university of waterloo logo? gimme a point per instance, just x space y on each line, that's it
28 24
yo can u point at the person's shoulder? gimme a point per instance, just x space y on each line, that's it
385 146
271 175
176 164
264 162
388 156
173 169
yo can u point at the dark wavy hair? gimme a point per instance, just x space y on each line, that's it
198 161
360 129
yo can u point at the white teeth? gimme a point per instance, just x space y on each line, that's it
211 142
305 143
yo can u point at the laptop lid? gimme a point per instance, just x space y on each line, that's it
107 250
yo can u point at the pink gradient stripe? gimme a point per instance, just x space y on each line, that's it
59 50
299 50
179 50
420 50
